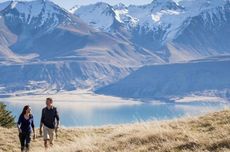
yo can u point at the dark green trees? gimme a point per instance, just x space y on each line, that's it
6 117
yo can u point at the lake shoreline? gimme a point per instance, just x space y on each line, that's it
88 109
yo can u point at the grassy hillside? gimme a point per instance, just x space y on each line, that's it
207 133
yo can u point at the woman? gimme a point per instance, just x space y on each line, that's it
25 127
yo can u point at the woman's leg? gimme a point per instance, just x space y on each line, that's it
22 140
28 139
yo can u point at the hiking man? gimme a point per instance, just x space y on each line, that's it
49 122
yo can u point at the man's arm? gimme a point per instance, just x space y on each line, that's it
57 118
58 122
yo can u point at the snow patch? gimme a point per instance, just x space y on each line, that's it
100 15
74 9
196 98
156 18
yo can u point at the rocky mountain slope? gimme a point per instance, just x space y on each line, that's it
45 47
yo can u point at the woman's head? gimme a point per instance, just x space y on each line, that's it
26 110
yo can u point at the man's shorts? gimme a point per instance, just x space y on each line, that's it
48 134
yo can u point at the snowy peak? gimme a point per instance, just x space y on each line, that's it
36 12
33 7
103 16
99 15
123 18
4 5
165 4
119 6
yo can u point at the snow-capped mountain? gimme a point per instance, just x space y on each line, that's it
166 14
45 47
4 5
25 24
166 26
209 30
48 48
103 15
36 13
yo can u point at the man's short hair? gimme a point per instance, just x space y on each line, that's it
49 99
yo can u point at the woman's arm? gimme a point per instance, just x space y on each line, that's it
32 125
19 124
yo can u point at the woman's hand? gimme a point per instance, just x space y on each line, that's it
19 130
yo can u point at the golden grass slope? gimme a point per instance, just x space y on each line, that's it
209 133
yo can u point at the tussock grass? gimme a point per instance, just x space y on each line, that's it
209 133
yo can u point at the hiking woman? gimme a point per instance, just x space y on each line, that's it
26 127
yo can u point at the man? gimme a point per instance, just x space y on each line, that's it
49 122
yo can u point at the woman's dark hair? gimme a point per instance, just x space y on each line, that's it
24 109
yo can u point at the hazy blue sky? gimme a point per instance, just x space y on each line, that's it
69 3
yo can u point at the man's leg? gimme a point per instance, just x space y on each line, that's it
51 135
45 136
45 143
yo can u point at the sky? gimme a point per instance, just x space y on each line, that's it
70 3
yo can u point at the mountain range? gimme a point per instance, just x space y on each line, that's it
175 31
45 48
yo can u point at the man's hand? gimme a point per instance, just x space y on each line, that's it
34 136
56 131
40 131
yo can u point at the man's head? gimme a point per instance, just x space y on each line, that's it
49 102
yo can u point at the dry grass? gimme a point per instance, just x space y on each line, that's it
209 133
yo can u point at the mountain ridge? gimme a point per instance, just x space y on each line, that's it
70 53
208 77
156 25
62 54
